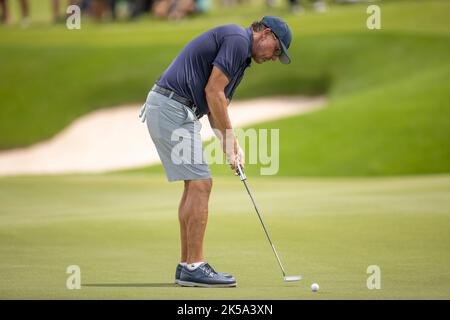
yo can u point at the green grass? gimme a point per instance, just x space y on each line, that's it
387 115
387 89
122 231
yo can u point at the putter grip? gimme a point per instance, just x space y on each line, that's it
240 172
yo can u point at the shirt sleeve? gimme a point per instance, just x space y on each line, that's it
232 54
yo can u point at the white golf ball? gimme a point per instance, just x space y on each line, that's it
315 287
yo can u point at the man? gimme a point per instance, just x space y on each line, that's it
202 80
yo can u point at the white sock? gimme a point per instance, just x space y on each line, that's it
195 265
183 264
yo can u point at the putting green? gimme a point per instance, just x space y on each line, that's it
122 231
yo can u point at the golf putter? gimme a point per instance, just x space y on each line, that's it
241 174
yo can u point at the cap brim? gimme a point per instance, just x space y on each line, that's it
284 58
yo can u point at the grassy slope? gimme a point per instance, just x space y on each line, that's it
386 125
387 89
122 231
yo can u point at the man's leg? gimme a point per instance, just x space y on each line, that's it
194 215
183 225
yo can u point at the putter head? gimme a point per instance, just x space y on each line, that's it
292 278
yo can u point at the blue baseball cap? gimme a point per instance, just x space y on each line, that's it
282 32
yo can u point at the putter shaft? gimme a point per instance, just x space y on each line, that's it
241 174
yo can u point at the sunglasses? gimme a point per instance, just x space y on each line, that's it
278 51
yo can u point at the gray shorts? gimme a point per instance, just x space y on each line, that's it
175 131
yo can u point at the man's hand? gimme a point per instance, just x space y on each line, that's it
237 156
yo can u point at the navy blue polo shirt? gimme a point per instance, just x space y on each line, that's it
227 47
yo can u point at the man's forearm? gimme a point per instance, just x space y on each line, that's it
213 125
219 118
217 104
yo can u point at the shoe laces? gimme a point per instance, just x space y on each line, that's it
209 270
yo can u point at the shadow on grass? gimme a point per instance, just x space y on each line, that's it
131 285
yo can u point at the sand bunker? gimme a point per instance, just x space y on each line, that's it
115 138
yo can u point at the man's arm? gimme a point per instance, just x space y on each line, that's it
211 120
218 116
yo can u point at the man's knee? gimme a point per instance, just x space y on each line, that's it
200 187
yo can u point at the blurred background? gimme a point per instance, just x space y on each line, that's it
364 180
387 89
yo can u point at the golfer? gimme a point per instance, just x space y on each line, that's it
201 81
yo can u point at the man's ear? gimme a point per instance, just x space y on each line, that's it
267 32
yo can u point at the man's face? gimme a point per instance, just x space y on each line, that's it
267 48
